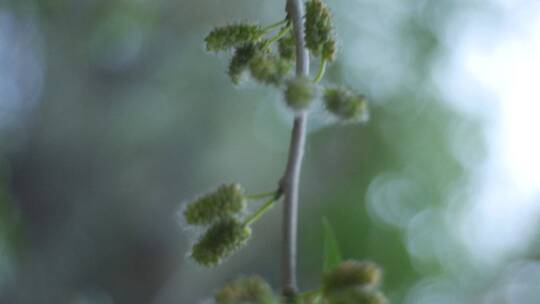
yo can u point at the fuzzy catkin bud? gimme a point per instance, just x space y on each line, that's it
351 274
329 50
226 37
224 202
252 289
240 61
269 68
359 295
318 25
287 48
219 241
345 104
299 93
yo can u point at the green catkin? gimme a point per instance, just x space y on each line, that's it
226 37
240 61
299 93
318 24
359 295
224 202
286 48
268 68
345 104
329 50
352 274
219 241
249 289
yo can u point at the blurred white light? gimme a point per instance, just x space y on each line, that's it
494 74
517 286
394 198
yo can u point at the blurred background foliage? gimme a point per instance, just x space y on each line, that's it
113 115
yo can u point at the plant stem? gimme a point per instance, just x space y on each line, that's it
258 196
278 36
274 26
289 183
322 69
259 212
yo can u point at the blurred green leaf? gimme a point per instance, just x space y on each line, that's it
332 255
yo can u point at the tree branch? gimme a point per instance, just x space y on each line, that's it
289 183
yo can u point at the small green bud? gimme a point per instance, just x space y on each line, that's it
230 36
252 289
360 295
286 47
269 68
240 61
220 241
329 50
345 104
318 25
299 93
351 274
224 202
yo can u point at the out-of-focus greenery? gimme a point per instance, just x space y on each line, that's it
119 113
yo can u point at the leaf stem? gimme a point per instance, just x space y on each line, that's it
322 70
271 27
259 212
259 196
278 36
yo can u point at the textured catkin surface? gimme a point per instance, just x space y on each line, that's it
219 241
224 202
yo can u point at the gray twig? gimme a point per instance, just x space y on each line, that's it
289 183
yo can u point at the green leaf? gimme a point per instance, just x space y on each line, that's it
332 255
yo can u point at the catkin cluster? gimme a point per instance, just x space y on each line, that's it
345 104
353 282
226 37
251 289
225 233
219 241
253 52
222 203
319 37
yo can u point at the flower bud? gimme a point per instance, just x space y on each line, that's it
299 93
252 289
224 202
351 274
268 68
220 241
287 48
345 104
361 295
226 37
240 61
318 25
